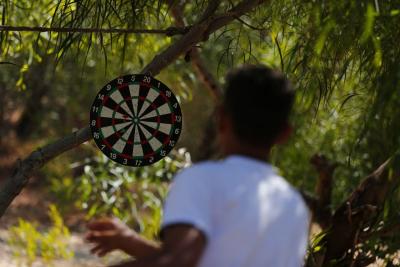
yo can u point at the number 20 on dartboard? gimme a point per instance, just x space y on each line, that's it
135 120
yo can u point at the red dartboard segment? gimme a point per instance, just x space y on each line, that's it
133 120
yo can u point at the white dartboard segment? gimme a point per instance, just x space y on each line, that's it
134 91
151 96
109 113
117 97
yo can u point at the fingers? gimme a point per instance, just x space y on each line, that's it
105 234
100 236
96 249
102 240
100 250
102 224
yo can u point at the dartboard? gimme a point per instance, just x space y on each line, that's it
135 120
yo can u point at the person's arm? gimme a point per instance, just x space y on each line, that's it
186 224
109 234
182 245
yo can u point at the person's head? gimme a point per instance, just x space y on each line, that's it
255 108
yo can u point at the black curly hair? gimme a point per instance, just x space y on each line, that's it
259 101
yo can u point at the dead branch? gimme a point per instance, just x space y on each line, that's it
360 207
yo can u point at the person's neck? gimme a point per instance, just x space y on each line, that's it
252 152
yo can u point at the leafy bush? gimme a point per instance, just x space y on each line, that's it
27 242
134 195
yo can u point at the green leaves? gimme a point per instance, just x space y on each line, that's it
135 195
370 15
326 29
28 243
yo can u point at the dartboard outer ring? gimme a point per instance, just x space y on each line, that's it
135 120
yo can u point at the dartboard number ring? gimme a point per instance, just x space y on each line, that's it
135 120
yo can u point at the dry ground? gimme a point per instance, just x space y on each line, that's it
31 207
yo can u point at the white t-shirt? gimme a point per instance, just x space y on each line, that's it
250 216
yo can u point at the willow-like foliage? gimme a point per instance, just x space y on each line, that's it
343 57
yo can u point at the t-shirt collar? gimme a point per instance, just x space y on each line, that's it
249 161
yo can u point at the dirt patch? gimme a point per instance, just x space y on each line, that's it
32 205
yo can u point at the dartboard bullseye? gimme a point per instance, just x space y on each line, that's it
135 120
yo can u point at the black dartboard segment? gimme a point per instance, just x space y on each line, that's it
135 120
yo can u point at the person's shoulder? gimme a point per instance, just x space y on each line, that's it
202 167
292 194
299 206
198 172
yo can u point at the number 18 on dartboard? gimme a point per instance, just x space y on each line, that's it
135 120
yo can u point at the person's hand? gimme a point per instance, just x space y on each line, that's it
109 234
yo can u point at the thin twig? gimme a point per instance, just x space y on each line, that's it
168 31
249 25
280 54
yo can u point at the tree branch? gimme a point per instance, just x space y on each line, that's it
170 31
211 9
205 75
198 64
323 189
359 208
16 182
13 185
199 32
311 202
208 143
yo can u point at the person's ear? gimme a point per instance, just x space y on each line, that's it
285 134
